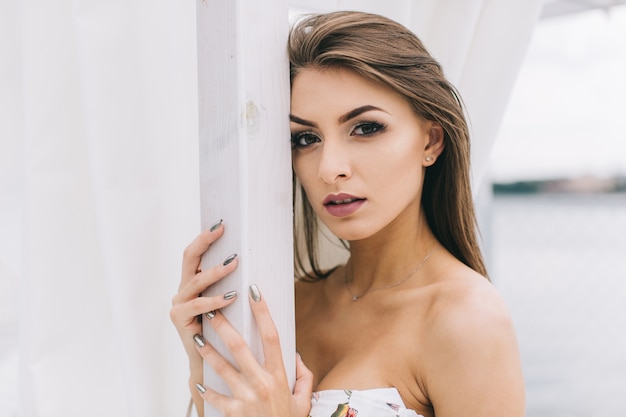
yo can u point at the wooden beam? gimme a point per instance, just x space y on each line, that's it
245 162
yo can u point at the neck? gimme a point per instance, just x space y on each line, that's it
389 257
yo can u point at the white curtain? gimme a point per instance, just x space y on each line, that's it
99 183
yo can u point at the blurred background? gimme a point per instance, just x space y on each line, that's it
555 221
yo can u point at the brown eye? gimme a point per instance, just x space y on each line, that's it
303 139
365 129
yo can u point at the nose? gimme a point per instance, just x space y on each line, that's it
334 164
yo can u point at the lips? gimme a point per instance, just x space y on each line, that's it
344 201
337 199
341 205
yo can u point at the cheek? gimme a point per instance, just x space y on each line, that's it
399 174
397 162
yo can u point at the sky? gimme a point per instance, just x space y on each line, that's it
567 113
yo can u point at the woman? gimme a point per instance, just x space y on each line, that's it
410 325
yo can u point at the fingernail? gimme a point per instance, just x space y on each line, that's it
255 293
200 388
210 315
229 259
230 295
216 226
199 340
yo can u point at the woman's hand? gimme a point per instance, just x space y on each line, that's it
187 305
258 390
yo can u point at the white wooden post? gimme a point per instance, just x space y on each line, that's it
245 162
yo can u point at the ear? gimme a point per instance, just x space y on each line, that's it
435 145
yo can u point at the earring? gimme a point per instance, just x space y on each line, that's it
429 159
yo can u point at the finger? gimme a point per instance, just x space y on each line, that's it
223 368
304 385
201 281
217 400
193 253
267 330
236 345
184 314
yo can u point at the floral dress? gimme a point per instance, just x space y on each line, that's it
378 402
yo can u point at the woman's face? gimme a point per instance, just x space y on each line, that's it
359 151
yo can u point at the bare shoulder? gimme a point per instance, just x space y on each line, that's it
471 360
467 317
466 298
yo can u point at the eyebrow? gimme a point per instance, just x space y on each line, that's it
342 119
357 112
300 121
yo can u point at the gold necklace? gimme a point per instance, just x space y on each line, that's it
386 287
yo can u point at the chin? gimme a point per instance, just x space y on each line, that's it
351 232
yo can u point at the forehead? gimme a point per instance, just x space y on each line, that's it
339 89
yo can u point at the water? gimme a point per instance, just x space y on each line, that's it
560 263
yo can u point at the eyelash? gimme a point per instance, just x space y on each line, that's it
378 127
297 136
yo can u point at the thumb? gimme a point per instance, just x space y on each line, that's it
304 385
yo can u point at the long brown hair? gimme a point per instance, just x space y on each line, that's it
382 50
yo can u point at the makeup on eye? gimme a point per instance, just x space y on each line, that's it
367 128
364 127
307 138
303 139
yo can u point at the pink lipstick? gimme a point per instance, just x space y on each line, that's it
341 205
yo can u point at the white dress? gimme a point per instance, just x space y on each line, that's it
378 402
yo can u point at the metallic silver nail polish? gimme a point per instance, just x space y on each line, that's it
210 315
199 340
216 226
255 293
229 259
200 388
230 295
